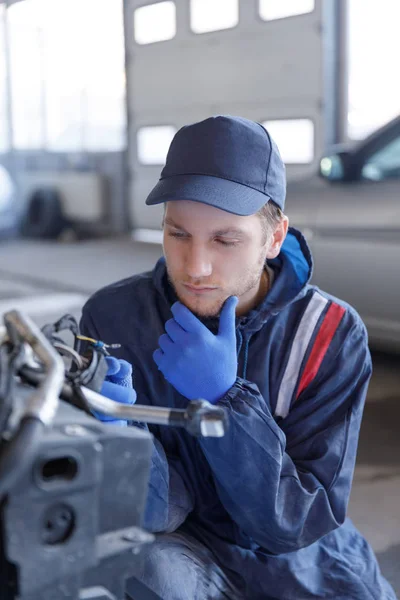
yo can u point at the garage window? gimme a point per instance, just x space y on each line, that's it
294 138
373 86
154 23
213 15
4 141
281 9
153 143
67 97
27 58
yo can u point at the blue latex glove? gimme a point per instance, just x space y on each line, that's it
118 387
196 362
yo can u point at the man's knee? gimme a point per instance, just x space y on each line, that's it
167 568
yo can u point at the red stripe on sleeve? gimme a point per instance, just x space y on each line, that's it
333 316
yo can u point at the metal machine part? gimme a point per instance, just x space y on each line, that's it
72 488
200 418
43 402
73 525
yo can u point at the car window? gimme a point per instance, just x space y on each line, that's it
384 164
6 187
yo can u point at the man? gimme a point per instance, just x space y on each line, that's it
229 316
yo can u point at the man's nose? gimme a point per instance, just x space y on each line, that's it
198 262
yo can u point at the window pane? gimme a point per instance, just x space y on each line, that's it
213 15
154 23
280 9
4 141
374 87
27 78
85 82
66 68
68 96
295 139
153 144
6 188
385 164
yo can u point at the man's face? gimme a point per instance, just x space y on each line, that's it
212 254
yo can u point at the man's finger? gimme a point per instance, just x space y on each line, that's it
227 320
118 393
186 319
113 365
174 330
125 369
165 343
158 356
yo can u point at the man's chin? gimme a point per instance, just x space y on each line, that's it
201 307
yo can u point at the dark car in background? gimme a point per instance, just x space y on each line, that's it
350 215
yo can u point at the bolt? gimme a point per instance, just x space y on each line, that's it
75 430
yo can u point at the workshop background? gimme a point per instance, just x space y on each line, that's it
91 94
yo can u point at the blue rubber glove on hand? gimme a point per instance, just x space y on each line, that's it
118 387
196 362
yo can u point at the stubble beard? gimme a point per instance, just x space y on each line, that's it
212 309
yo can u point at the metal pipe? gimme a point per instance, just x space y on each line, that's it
151 414
196 419
43 403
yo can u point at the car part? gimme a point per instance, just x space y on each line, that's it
64 531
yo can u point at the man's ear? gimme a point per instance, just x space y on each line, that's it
278 238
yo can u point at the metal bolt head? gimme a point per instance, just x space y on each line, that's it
75 430
212 428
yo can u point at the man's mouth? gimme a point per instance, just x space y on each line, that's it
198 289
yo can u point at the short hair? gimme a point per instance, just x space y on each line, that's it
270 215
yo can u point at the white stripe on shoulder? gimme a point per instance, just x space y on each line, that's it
301 341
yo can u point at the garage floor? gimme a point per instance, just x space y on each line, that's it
49 279
375 500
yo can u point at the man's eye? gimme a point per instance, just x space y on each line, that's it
177 234
227 243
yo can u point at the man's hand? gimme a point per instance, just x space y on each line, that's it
196 362
118 387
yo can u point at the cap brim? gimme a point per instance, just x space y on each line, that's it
221 193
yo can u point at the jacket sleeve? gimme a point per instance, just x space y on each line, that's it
288 485
168 501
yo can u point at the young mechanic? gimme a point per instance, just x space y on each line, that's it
228 315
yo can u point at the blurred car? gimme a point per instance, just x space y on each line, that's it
9 214
350 215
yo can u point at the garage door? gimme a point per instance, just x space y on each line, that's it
187 60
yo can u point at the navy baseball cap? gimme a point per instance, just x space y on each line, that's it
227 162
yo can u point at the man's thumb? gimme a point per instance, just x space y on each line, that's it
227 323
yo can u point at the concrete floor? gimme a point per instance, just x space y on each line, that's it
374 504
48 279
